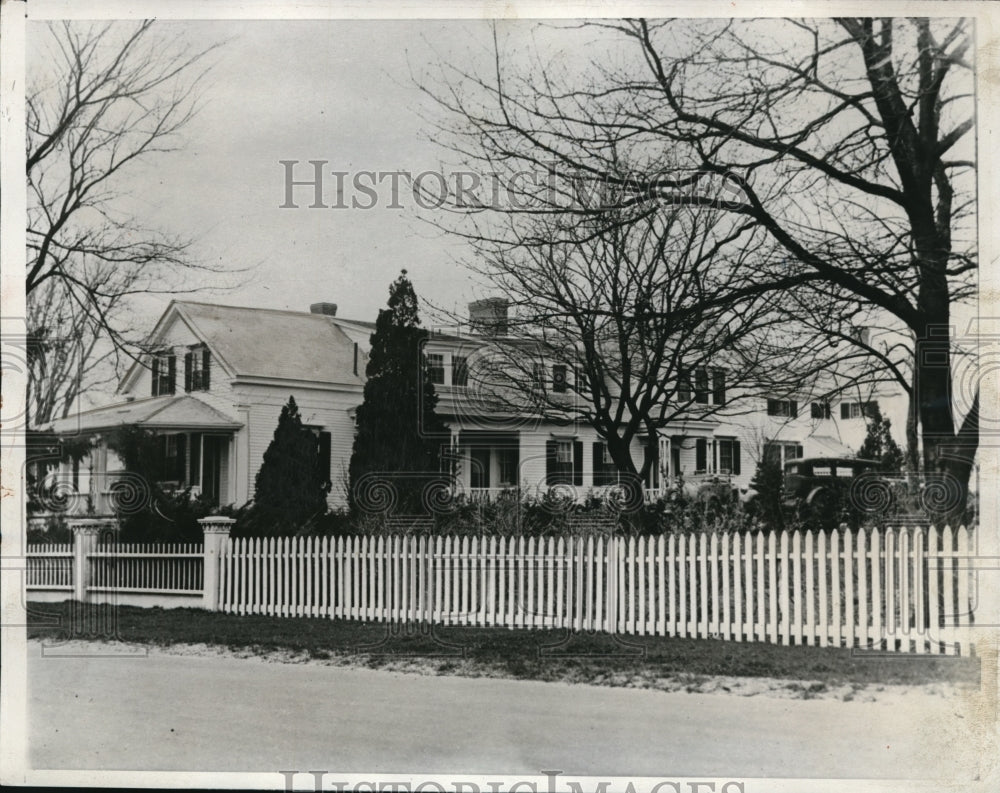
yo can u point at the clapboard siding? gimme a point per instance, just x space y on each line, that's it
321 408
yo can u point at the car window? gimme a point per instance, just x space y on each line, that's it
843 471
822 470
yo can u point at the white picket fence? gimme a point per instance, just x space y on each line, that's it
897 590
160 568
50 566
154 568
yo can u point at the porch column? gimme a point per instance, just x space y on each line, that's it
216 530
86 532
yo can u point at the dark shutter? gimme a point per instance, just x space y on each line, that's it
578 463
793 408
206 360
156 377
171 373
325 462
736 457
701 386
599 475
187 371
719 387
550 462
181 473
683 385
195 477
700 454
845 410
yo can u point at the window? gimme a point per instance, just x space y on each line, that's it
700 455
820 410
701 386
538 377
559 384
435 368
507 464
605 470
196 368
564 462
683 385
719 387
857 410
779 453
164 372
459 371
786 408
729 456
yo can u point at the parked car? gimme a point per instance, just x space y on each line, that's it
819 489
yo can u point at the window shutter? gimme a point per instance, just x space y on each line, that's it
701 454
187 371
794 408
324 461
845 410
719 387
206 360
683 385
578 463
550 462
701 386
599 477
171 373
156 377
736 457
181 475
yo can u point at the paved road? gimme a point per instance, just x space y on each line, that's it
226 714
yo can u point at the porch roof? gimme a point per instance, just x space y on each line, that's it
166 412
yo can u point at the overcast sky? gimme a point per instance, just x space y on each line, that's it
339 91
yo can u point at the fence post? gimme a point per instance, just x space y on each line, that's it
216 530
85 534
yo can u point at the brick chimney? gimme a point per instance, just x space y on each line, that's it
330 309
489 316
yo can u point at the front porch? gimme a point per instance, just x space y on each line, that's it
186 445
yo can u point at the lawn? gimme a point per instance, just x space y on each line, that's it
649 661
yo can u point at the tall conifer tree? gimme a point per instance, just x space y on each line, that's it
399 434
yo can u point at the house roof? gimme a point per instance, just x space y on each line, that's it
165 412
261 342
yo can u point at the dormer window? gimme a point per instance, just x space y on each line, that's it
197 366
164 365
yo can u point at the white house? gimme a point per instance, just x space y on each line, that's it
219 375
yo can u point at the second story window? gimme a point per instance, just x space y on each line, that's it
784 408
459 371
435 368
559 383
820 410
538 378
197 364
164 373
701 386
857 410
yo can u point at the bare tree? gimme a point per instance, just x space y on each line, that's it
619 325
843 141
106 97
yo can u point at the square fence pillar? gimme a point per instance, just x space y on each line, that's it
216 529
86 533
